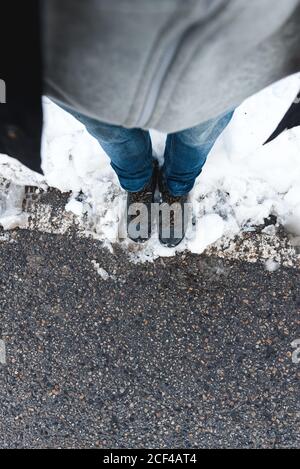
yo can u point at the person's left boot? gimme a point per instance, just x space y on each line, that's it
174 215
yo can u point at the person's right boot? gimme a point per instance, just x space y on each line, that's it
139 209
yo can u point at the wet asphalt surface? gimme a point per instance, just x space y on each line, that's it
187 352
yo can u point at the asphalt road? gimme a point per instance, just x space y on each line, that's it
187 352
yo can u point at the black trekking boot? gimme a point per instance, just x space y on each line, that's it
139 221
174 215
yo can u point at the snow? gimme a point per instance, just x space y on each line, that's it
74 206
2 352
242 184
11 213
210 229
102 272
272 266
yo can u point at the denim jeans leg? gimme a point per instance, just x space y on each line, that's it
186 153
130 150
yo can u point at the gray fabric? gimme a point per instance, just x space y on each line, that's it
166 64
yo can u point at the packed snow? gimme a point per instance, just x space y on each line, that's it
243 182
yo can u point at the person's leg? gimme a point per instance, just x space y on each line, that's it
129 150
186 153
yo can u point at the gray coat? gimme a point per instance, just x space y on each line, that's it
166 64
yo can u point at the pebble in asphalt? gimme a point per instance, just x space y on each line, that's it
186 352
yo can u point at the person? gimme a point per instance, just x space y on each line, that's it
130 152
123 67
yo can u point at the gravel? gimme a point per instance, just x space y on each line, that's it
185 352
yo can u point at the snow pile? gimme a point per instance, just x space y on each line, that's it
243 182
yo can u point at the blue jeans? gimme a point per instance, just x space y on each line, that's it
130 152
